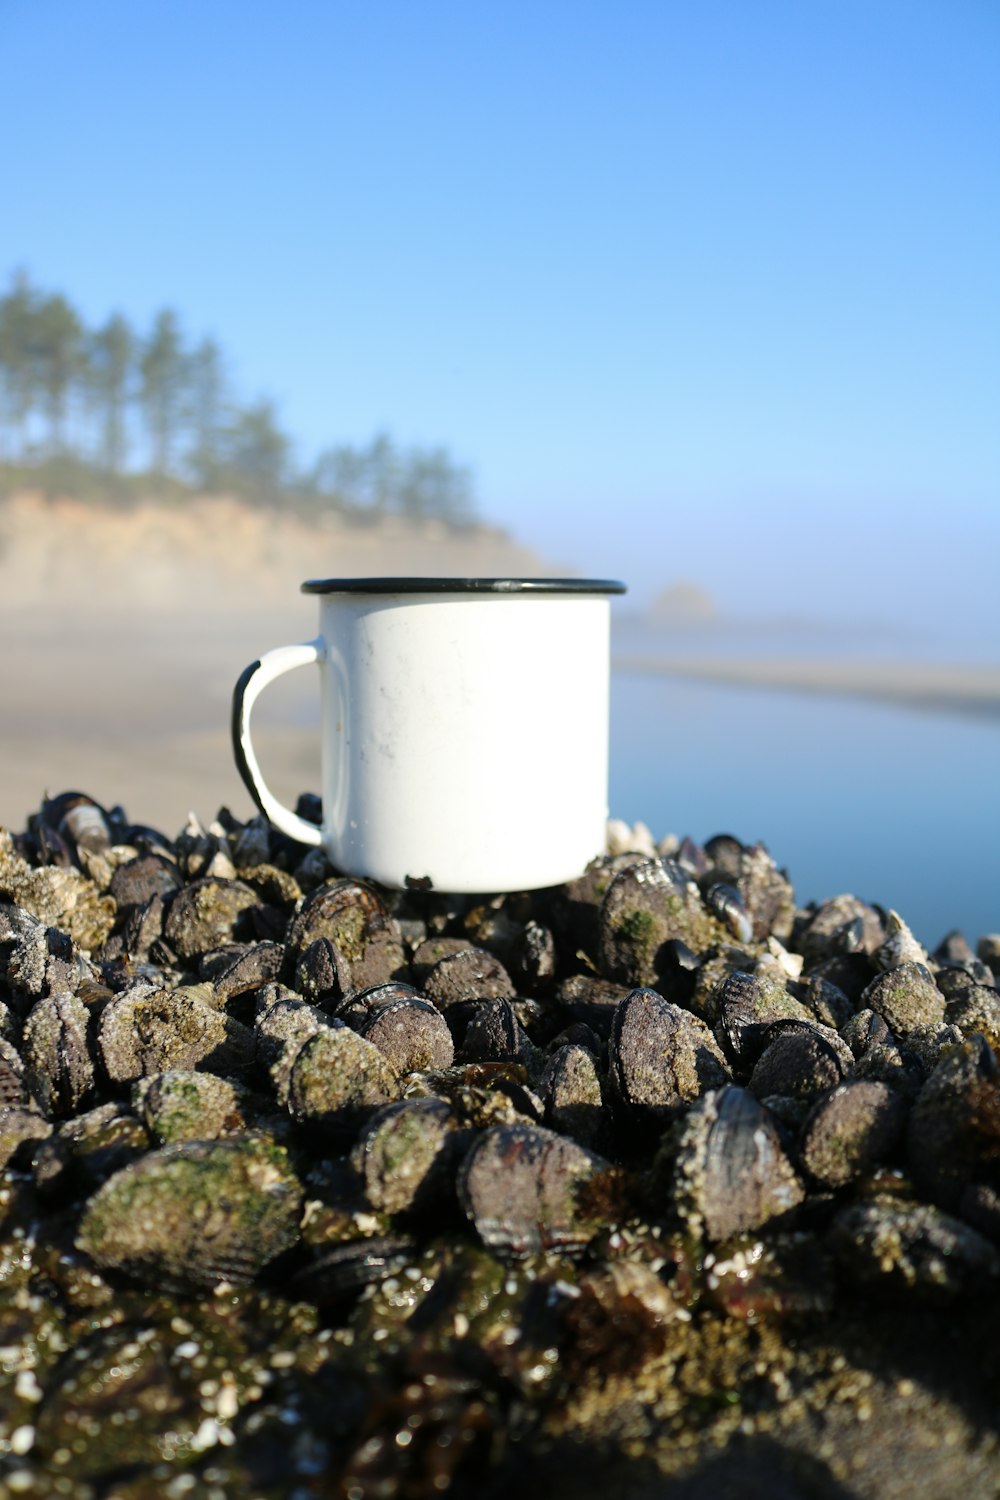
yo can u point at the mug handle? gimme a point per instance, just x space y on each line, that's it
252 682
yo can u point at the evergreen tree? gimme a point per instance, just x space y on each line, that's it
161 370
206 392
18 364
111 353
340 473
381 481
258 452
52 366
58 352
431 485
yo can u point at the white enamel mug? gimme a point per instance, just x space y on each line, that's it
464 729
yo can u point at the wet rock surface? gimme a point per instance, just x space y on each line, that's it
655 1184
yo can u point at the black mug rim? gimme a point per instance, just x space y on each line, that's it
463 586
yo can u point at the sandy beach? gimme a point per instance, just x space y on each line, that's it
124 632
930 686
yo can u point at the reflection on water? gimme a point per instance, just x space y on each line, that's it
895 805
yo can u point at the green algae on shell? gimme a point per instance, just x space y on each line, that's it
149 1031
905 997
849 1130
646 906
660 1057
570 1088
403 1154
183 1105
197 1213
336 1078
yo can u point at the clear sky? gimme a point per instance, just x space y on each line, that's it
703 290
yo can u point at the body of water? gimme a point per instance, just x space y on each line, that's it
896 805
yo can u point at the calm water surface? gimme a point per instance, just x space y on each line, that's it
896 805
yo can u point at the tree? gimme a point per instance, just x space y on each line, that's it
340 473
206 394
58 352
18 312
431 485
111 352
381 473
161 369
257 451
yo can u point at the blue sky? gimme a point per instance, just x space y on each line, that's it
699 290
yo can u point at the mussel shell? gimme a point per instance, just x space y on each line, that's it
470 974
181 1105
359 1003
725 902
570 1088
56 1053
337 1078
21 1130
660 1056
148 1031
731 1173
196 1213
138 880
405 1153
409 1032
208 913
745 1006
87 1149
521 1187
143 927
494 1034
586 998
767 895
341 1271
646 906
832 929
432 950
977 1010
725 855
907 1249
80 819
850 1130
13 1091
826 1001
865 1029
247 968
798 1061
281 1028
953 1137
349 912
906 997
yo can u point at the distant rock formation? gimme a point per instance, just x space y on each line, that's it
682 604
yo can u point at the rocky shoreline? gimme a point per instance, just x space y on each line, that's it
652 1184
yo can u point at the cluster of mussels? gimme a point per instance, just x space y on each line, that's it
317 1188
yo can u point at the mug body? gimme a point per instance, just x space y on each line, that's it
464 729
